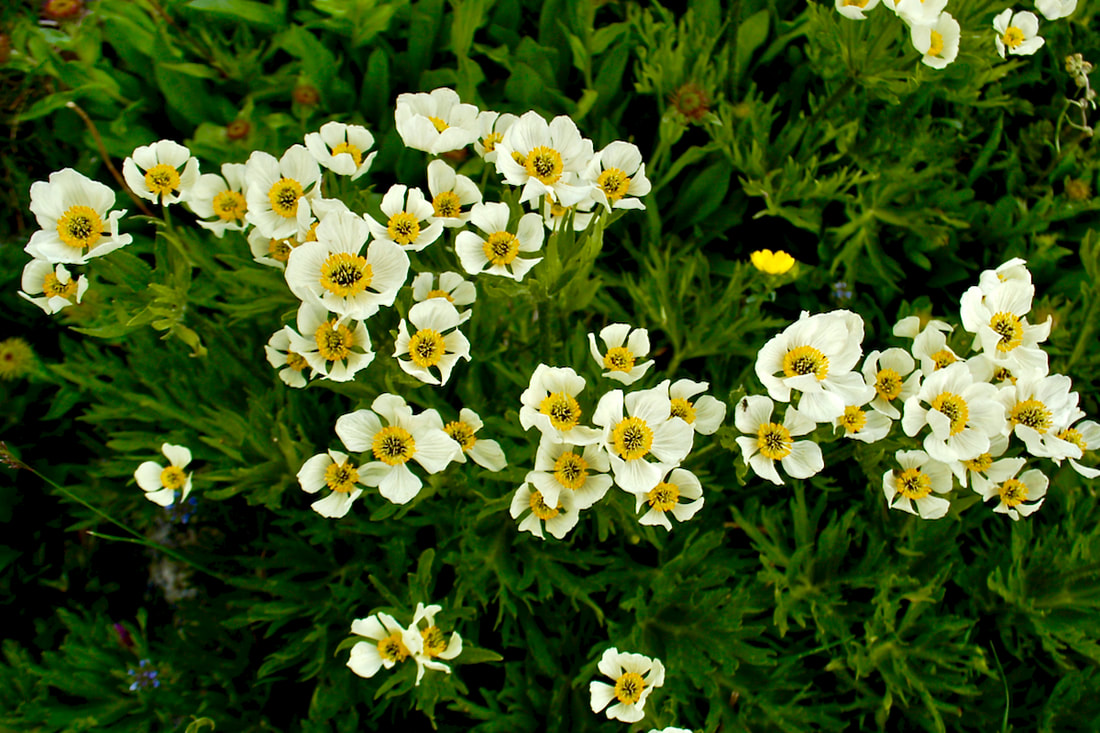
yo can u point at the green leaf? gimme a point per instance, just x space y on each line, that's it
260 14
750 35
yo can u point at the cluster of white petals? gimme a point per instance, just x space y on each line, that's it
389 643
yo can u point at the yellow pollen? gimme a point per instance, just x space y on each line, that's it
519 157
501 248
284 195
403 228
439 294
489 142
439 124
342 477
557 210
346 147
980 464
853 419
162 179
311 233
462 434
434 641
346 275
296 361
279 249
935 48
1009 328
426 348
173 478
774 441
805 360
393 648
683 409
1012 37
545 164
632 439
230 206
334 341
446 204
912 483
618 359
942 358
52 287
1013 492
1002 374
955 408
888 384
857 3
541 509
1073 436
614 183
564 411
393 445
571 470
629 687
80 227
1033 414
664 496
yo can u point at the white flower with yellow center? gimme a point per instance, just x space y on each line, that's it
617 175
855 9
269 250
999 321
859 423
312 212
635 677
1086 436
335 348
434 643
341 475
540 157
219 201
342 148
815 356
705 414
483 452
410 219
163 172
550 404
931 350
558 518
452 287
962 414
290 364
679 494
937 40
491 128
389 644
641 437
891 375
452 194
435 344
624 346
161 483
577 470
276 187
1017 32
555 216
919 12
1016 497
909 487
1034 406
50 286
1055 9
498 252
77 224
980 465
436 122
334 271
773 442
1015 270
405 437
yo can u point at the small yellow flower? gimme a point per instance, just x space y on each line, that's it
773 263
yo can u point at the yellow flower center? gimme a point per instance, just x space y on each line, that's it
541 509
980 464
955 408
1073 436
462 434
426 347
618 359
230 206
912 483
571 470
1012 37
501 248
346 147
446 204
935 48
403 228
173 478
439 294
284 195
1009 328
857 3
346 275
629 687
342 477
434 641
564 411
614 183
490 141
393 648
888 384
162 179
1032 413
557 210
774 441
334 341
1013 492
805 360
773 263
544 164
853 419
942 358
296 361
279 249
682 409
632 438
52 287
80 227
393 445
664 496
439 124
1002 374
311 233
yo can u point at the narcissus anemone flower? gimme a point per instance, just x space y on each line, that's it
911 485
405 437
679 494
163 171
50 286
77 224
559 517
855 9
336 471
641 436
160 483
276 187
435 344
962 414
772 263
998 319
1086 436
483 452
270 251
918 12
981 464
334 272
617 174
491 128
577 470
635 677
625 345
773 442
930 347
498 253
1016 497
550 404
434 643
219 201
1034 406
452 287
1017 32
1055 9
336 348
554 215
436 122
936 40
290 363
342 148
410 221
451 194
389 644
887 372
868 426
546 159
704 415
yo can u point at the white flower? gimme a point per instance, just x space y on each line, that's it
644 429
680 495
1018 32
981 464
550 404
434 644
855 9
914 483
332 272
436 122
334 470
53 283
962 414
577 470
452 288
312 212
705 414
163 171
937 39
1014 270
160 483
1016 497
919 12
815 356
998 319
863 425
886 371
219 201
559 518
624 346
436 343
411 220
390 643
335 348
931 350
270 251
554 215
1086 436
491 128
910 327
289 363
617 174
275 188
341 148
498 253
635 677
1055 9
485 453
73 213
540 157
773 441
1034 407
450 193
405 437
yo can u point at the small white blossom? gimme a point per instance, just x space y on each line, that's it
625 345
163 171
635 677
161 483
342 148
50 286
912 485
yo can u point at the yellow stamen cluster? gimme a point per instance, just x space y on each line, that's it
541 509
80 227
403 228
955 408
434 641
393 648
426 348
629 687
393 445
614 183
284 195
888 384
334 341
571 470
52 287
447 204
1013 492
501 248
774 441
564 411
342 477
462 434
1009 328
935 47
279 249
162 179
545 164
230 206
682 409
981 464
618 359
943 358
1032 413
912 483
173 478
1012 37
664 496
346 275
296 361
805 360
346 147
632 438
853 419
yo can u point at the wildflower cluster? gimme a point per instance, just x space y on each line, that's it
389 643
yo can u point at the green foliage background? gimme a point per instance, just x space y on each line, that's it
808 607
